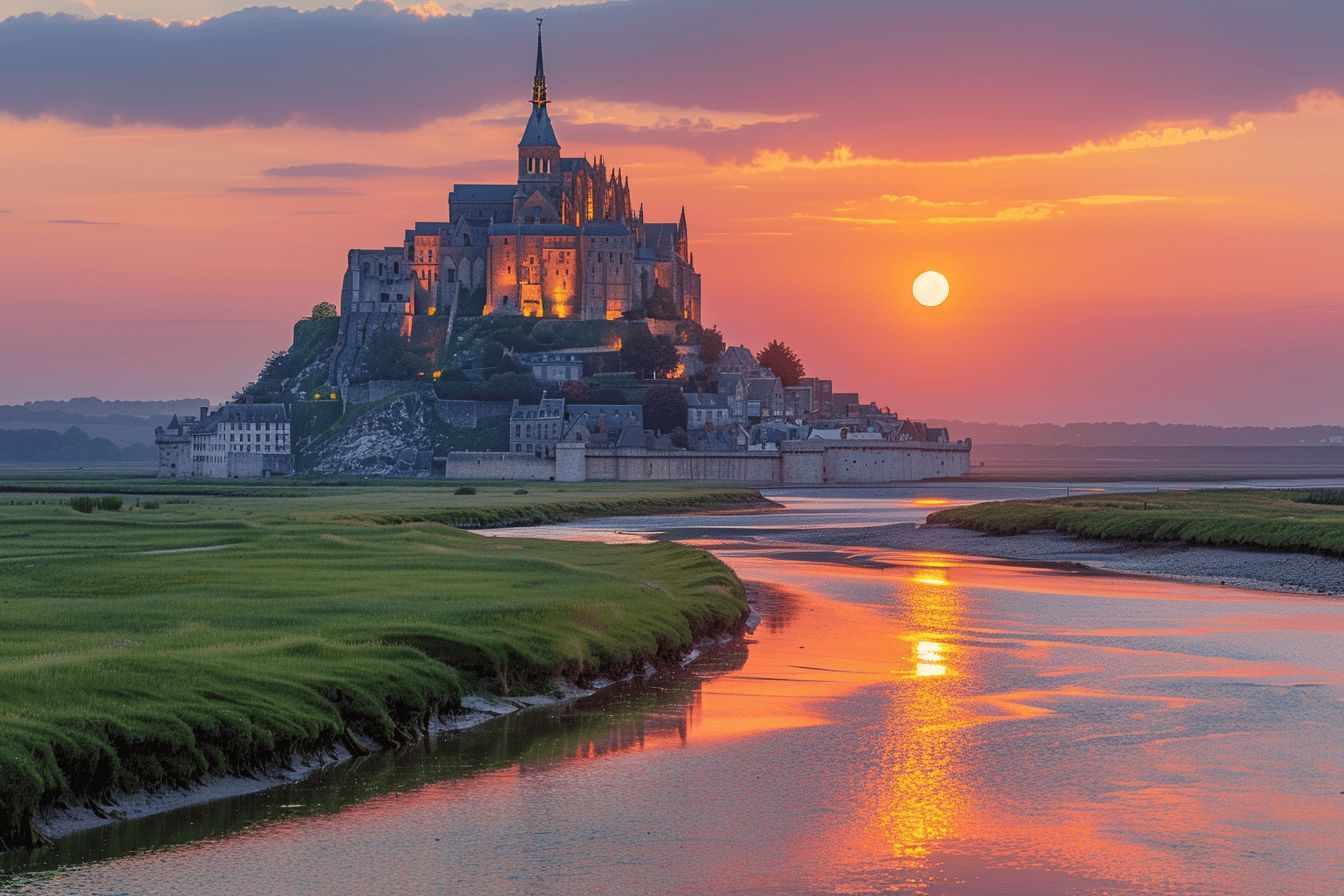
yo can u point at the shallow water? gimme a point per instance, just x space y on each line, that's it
900 722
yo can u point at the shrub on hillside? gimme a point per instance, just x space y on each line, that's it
387 356
510 386
665 409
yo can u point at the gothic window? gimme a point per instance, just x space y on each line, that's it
396 267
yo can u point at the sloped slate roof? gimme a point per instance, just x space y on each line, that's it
661 237
539 131
483 192
606 228
253 413
761 387
533 230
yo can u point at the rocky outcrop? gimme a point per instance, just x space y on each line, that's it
395 438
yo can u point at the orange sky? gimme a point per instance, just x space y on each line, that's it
1142 264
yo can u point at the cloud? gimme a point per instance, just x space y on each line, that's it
362 171
293 191
1015 213
1034 211
918 82
906 199
842 156
84 222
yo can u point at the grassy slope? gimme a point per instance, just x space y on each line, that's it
1238 518
121 670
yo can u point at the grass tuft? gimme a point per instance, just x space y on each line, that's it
1260 519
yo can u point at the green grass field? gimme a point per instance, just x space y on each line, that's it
1263 519
193 633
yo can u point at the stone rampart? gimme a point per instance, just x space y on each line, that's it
496 465
795 463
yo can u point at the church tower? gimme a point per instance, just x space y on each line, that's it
538 155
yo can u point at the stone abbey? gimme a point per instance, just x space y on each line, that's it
565 241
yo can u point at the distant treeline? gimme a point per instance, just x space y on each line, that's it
71 410
24 446
1099 434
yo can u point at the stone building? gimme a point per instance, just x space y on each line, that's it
714 409
174 444
564 240
534 429
236 441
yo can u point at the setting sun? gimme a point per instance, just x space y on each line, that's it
930 289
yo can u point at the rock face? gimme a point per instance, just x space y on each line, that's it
392 439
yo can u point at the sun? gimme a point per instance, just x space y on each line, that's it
930 289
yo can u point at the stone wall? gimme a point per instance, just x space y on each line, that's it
796 463
356 328
465 414
496 465
641 465
379 390
242 465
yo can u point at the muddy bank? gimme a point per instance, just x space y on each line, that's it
1261 570
54 823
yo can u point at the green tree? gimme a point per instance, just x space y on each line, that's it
648 355
711 345
508 386
471 302
324 309
387 356
665 409
661 306
782 361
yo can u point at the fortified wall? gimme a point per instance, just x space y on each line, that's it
795 463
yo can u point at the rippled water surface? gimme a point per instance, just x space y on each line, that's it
900 722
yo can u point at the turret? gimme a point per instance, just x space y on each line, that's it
683 239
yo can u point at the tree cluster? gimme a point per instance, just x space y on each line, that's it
782 361
711 345
665 409
648 355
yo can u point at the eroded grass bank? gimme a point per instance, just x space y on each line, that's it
164 642
1262 519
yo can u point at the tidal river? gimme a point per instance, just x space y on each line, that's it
900 722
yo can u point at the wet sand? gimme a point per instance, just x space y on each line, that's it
1261 570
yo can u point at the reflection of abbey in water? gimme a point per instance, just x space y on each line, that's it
564 241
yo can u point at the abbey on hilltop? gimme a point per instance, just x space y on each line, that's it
565 241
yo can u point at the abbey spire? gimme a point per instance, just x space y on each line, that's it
539 80
539 131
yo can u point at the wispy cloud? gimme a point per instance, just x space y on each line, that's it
84 222
842 156
1015 212
293 191
362 171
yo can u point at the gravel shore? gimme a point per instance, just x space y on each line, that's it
1309 573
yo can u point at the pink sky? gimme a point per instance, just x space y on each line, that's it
1141 211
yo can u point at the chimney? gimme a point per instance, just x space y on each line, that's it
205 412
